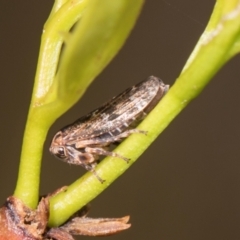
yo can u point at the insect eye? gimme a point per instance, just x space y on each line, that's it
60 153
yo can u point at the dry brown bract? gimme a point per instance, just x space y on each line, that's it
32 224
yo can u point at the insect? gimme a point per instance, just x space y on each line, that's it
82 142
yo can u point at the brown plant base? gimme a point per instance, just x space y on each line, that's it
18 222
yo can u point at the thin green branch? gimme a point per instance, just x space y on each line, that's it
39 119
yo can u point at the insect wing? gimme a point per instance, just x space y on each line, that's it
118 113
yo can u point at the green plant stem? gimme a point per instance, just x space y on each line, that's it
213 51
39 119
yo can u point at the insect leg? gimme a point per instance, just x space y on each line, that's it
91 168
101 151
86 160
128 133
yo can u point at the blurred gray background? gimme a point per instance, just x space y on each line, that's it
186 186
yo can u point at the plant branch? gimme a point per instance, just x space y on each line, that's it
212 52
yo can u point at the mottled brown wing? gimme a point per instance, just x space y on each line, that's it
120 112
